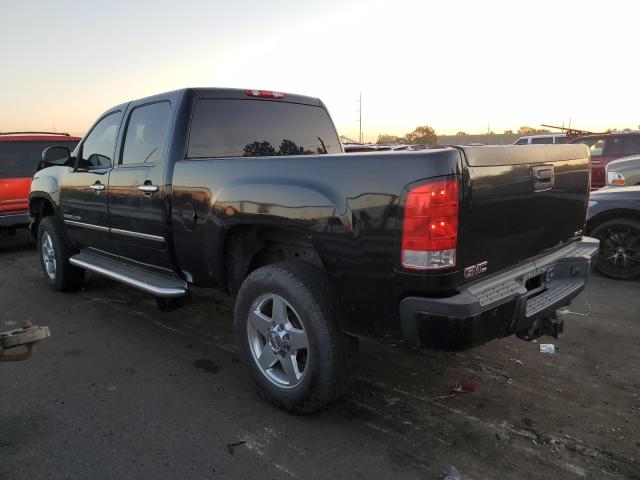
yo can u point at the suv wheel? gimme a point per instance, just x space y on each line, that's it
54 257
288 335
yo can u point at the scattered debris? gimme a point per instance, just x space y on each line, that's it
444 396
464 388
451 474
232 446
459 388
548 348
519 362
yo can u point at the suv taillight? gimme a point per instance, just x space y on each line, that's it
430 227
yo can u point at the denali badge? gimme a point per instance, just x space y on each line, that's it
474 270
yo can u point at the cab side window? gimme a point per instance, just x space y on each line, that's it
97 149
146 133
523 141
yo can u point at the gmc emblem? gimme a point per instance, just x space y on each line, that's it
474 270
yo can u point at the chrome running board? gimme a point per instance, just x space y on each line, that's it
163 286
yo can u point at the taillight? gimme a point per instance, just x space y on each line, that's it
430 228
264 93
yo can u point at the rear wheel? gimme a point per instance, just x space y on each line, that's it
619 255
54 257
288 336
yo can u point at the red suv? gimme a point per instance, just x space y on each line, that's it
608 147
20 153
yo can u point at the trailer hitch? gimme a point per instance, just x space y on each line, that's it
24 338
549 325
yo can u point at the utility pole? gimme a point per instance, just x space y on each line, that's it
360 115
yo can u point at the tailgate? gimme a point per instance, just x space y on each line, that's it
519 202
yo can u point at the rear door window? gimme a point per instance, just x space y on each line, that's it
146 134
250 128
20 159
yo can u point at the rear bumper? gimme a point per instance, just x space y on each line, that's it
13 220
517 301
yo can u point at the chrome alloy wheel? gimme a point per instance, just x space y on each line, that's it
278 340
620 251
48 255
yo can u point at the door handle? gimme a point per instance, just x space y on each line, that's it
97 187
148 188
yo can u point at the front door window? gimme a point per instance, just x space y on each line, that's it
97 149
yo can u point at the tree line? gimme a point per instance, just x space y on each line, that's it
425 135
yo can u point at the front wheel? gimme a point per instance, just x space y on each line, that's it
54 257
619 255
288 336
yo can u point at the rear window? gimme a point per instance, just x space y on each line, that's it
20 159
250 128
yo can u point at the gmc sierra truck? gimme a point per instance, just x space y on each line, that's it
250 191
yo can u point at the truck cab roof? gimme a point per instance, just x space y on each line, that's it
240 94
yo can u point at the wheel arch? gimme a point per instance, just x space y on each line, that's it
40 205
617 213
249 247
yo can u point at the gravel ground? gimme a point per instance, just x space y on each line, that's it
121 390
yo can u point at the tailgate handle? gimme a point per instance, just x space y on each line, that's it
542 177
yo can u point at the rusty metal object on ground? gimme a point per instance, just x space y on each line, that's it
25 337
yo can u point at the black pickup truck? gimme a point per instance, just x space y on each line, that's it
250 191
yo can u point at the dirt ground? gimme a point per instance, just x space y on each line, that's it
121 390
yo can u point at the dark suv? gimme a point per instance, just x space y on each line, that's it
605 148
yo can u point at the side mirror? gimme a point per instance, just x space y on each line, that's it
55 156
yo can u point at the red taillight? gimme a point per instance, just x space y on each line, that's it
263 93
430 228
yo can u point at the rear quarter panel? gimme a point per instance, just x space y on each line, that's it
347 206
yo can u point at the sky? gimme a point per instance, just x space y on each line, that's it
454 65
